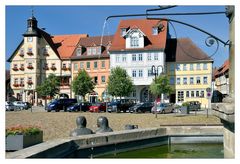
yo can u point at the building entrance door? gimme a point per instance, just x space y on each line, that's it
145 95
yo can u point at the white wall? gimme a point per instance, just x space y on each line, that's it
143 65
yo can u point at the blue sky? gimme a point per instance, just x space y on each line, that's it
90 19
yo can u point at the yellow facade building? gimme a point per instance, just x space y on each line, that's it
189 70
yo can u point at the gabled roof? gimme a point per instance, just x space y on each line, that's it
94 42
11 57
134 29
223 69
62 45
154 42
184 50
66 44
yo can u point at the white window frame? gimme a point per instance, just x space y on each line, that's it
156 56
134 57
134 41
140 73
140 57
134 73
149 56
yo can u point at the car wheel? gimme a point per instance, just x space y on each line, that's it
163 111
48 110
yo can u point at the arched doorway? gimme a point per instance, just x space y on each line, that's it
145 95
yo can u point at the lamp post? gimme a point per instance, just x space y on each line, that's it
155 73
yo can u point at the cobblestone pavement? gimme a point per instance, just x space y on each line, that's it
59 124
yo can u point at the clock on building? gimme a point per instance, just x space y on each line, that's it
29 39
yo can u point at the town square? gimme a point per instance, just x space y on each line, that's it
120 81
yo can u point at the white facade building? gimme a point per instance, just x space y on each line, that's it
136 48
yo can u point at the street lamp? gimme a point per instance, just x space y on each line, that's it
155 73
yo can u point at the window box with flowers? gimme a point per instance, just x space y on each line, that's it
21 68
15 69
21 85
64 68
29 82
19 137
21 55
16 85
46 68
30 53
69 68
53 68
30 67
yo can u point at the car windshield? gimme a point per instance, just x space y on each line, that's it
97 104
54 101
162 105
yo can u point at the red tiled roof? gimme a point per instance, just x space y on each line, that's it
66 44
145 25
223 69
92 42
184 50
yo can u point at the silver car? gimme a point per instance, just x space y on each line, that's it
163 108
20 105
9 106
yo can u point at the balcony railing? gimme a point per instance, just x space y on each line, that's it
21 68
53 68
16 85
29 82
15 68
30 67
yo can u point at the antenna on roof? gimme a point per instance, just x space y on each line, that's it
32 11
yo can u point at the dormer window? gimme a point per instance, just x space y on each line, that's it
123 31
99 50
155 30
78 52
134 42
94 51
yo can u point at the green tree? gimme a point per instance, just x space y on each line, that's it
161 86
82 84
50 87
119 83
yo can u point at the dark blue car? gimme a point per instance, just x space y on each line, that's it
60 104
79 107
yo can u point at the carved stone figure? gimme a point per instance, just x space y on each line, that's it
102 124
81 127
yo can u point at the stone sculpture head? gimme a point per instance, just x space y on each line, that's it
81 122
102 122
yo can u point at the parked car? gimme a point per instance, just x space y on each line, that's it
98 107
60 104
84 106
20 105
28 105
120 105
194 105
9 106
163 108
141 107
